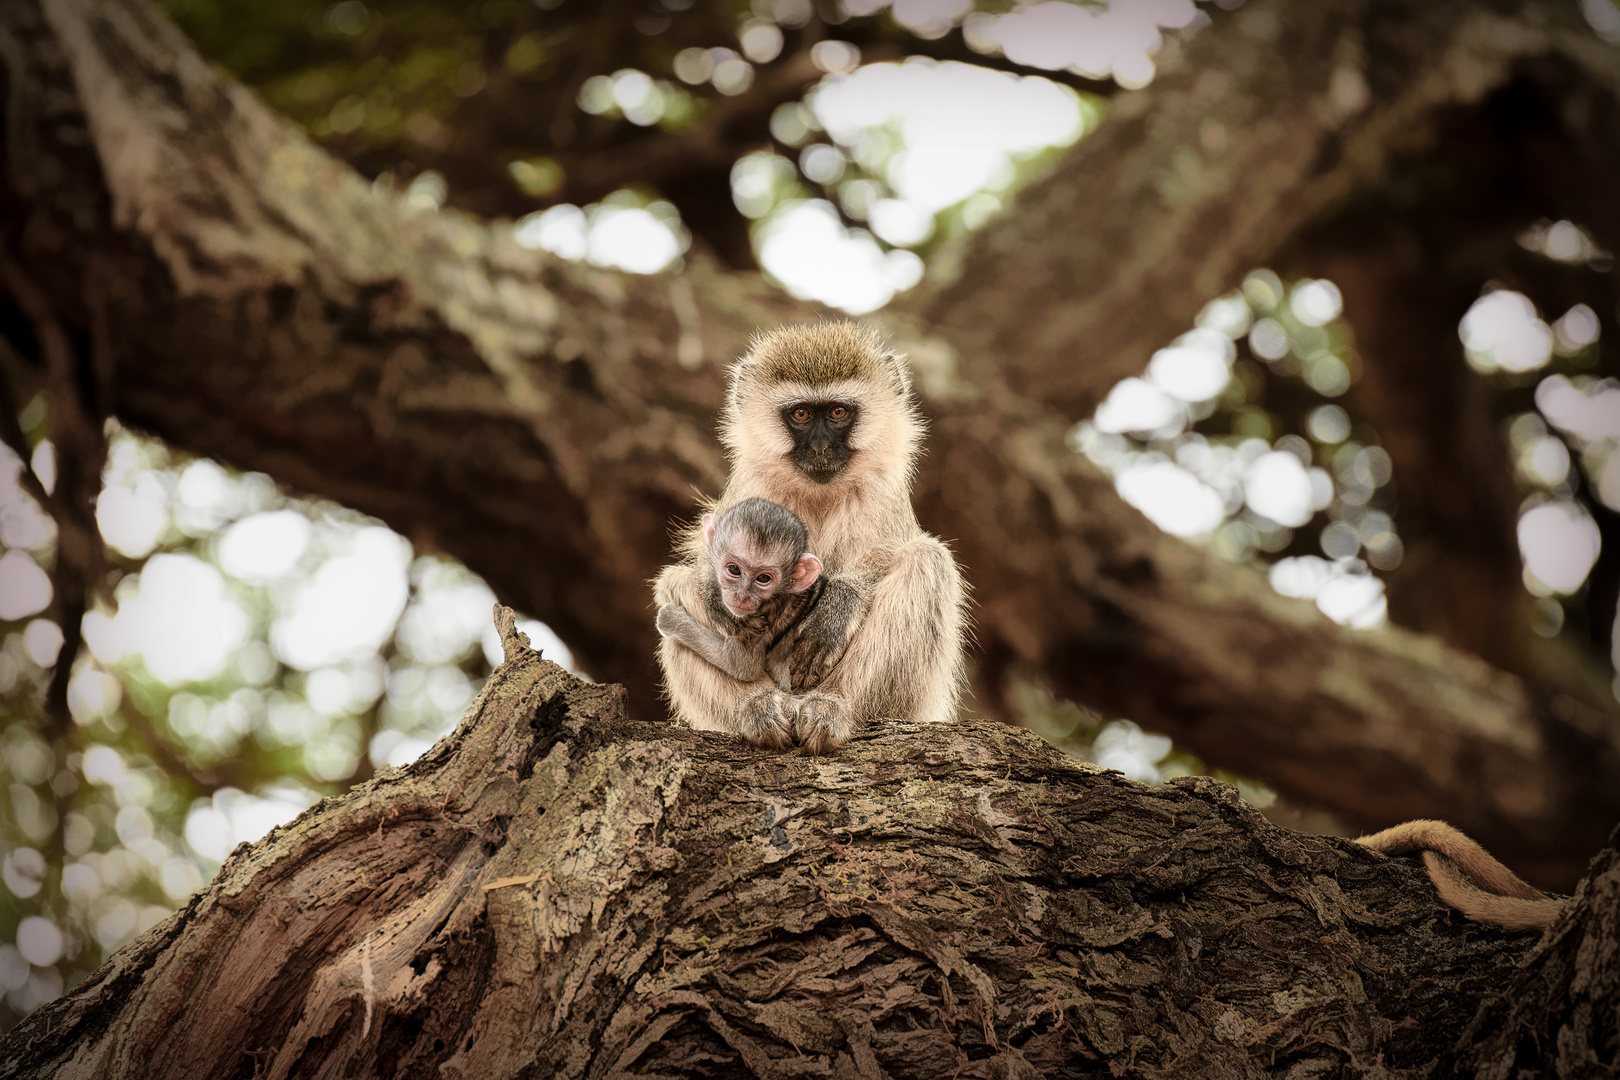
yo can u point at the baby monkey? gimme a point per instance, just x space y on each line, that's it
763 582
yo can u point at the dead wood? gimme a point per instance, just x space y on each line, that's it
558 890
1557 1016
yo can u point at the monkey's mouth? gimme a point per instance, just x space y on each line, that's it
821 472
741 611
821 463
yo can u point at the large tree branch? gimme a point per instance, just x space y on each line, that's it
555 890
1222 162
1378 725
546 421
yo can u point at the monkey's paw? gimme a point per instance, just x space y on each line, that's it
766 719
824 723
672 620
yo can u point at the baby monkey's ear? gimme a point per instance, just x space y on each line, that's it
804 573
708 530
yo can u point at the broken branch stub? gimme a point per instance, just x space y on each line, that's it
555 890
513 640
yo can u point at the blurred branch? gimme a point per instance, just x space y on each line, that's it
1229 156
11 432
80 446
538 112
692 167
176 762
544 421
879 40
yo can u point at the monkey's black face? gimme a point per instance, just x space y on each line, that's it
820 431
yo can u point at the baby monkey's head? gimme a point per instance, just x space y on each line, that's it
757 549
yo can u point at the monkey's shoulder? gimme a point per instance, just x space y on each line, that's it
791 607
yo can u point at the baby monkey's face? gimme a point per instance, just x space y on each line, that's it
757 551
748 577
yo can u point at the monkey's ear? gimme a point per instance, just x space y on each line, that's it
804 573
902 370
708 530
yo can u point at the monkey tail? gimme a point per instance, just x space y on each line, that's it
1505 899
1512 912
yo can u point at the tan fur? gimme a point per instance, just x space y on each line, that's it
904 656
1504 900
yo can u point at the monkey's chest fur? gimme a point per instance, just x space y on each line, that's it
764 628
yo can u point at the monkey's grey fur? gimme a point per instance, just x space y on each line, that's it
760 532
885 637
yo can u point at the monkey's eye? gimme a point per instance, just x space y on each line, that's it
801 415
734 570
764 580
837 412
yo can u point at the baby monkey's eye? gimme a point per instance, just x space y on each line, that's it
763 579
734 570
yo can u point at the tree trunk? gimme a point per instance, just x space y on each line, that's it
241 294
1556 1015
558 890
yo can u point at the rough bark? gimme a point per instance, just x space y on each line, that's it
266 306
558 890
1557 1014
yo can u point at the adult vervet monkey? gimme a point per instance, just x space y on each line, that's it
820 418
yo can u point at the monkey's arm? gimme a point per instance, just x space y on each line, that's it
904 658
1506 900
723 652
818 640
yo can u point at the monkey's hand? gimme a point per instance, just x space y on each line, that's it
766 719
820 637
824 723
675 622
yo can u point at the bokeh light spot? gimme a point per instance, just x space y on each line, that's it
24 587
39 941
1559 542
264 547
1502 332
1276 485
1172 498
181 620
349 606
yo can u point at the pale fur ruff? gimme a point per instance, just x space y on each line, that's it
874 488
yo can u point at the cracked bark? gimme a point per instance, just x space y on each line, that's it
558 890
544 421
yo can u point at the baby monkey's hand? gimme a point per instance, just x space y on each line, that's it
673 621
